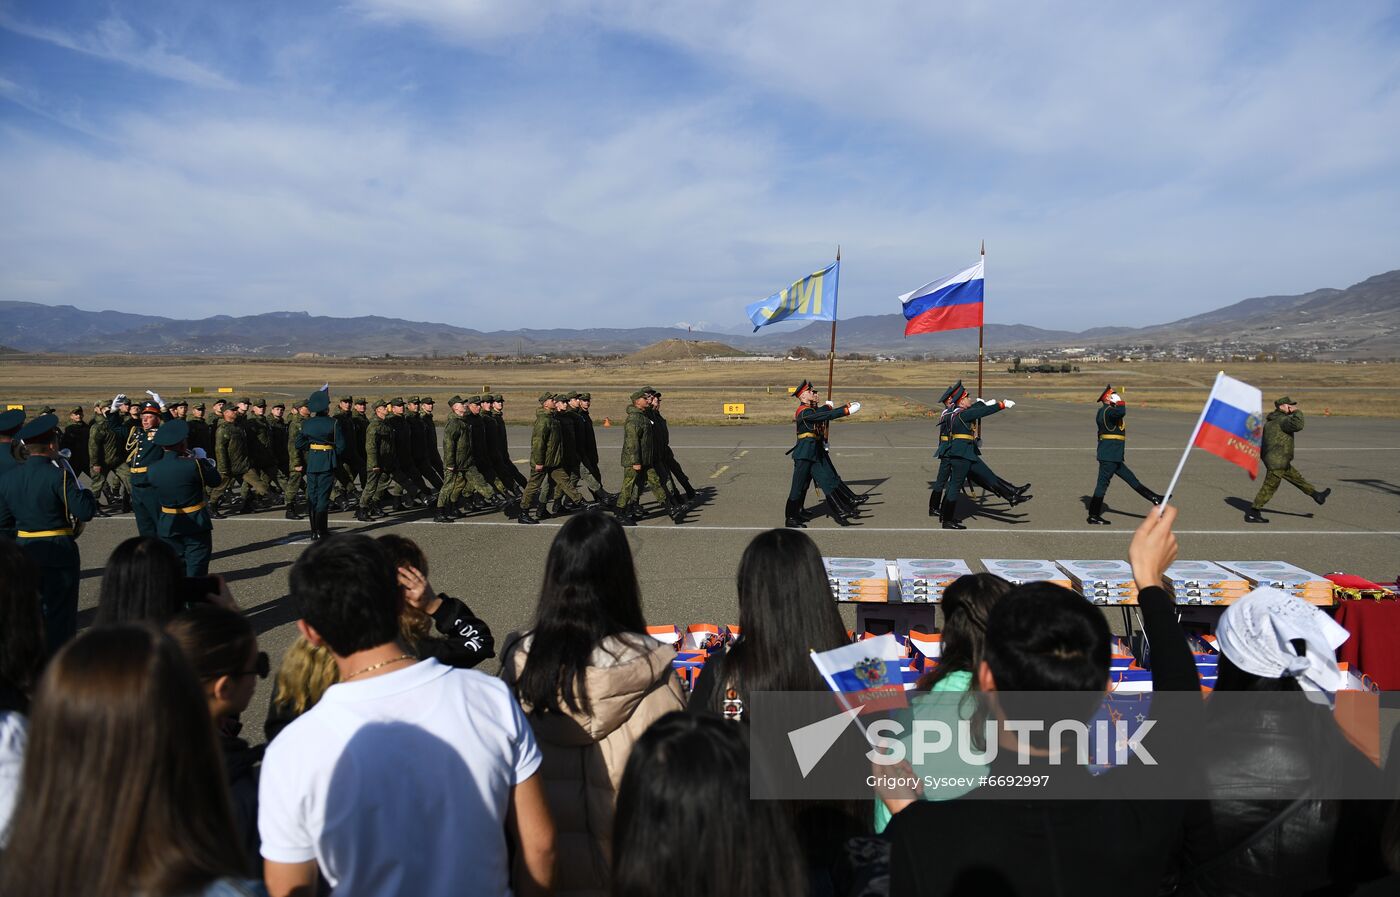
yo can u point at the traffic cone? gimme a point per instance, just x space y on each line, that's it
607 422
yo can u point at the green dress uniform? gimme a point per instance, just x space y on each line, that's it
180 481
321 441
146 452
10 423
39 501
811 422
1110 452
639 450
1277 452
964 457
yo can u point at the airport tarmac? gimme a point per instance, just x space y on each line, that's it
687 571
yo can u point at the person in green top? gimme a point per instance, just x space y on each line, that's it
808 455
231 456
296 461
320 442
179 480
40 500
964 455
1277 451
1112 447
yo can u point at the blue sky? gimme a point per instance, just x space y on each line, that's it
497 163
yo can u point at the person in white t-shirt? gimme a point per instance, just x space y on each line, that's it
407 777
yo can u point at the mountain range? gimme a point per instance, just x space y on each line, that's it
1362 320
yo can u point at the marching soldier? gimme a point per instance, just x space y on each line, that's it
481 475
41 500
201 435
812 420
259 432
180 480
352 462
1112 447
320 440
665 456
513 479
277 426
231 455
639 466
979 474
104 457
454 432
75 439
426 480
589 472
216 416
434 457
1277 451
379 462
143 454
405 473
296 461
964 456
360 420
547 457
568 438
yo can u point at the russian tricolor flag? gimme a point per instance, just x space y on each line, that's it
1232 423
948 304
865 675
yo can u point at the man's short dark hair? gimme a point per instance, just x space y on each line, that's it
1043 637
347 590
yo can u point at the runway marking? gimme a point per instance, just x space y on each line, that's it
721 470
1127 530
743 453
1031 448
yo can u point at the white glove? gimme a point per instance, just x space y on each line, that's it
200 453
828 403
156 396
988 401
1008 403
1115 398
853 407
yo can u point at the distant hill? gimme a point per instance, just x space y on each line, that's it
1363 318
679 349
6 350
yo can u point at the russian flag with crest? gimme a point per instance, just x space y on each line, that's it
865 674
1232 423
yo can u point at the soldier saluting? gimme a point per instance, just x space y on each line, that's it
1112 446
807 456
1277 451
179 480
964 455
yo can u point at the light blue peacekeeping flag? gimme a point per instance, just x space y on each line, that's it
813 298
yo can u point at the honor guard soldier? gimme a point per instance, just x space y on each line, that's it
1112 446
11 422
1277 451
180 481
811 421
964 456
41 502
144 453
321 441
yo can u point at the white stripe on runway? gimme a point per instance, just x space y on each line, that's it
1020 448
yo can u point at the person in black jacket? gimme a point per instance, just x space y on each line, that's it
463 639
665 456
1047 639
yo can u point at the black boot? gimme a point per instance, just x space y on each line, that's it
1253 516
362 515
792 515
1321 497
315 516
839 502
1096 511
442 516
834 510
248 503
1150 495
849 496
527 516
291 513
935 498
676 511
622 516
948 516
323 523
126 503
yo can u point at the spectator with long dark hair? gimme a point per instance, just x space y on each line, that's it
145 581
463 639
22 655
967 604
223 649
122 792
590 681
685 825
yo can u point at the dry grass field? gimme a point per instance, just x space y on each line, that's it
695 390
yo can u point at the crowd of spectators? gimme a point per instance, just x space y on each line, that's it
391 767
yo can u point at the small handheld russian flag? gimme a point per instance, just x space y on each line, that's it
1231 425
865 675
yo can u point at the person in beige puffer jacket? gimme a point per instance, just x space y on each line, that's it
590 681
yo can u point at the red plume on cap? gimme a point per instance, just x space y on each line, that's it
803 387
150 408
1107 391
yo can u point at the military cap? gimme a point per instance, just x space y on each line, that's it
585 396
350 399
172 432
802 387
648 390
396 400
47 409
381 404
1107 391
947 394
200 406
362 401
474 400
639 394
150 407
260 402
11 421
244 401
45 425
412 400
427 400
455 400
178 403
1285 400
319 401
221 401
282 405
78 410
545 397
656 392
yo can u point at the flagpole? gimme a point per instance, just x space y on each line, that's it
831 355
984 315
1190 443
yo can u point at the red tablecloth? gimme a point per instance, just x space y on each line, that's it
1374 646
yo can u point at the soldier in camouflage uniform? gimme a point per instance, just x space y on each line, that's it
231 457
361 426
511 476
352 461
547 457
105 456
260 440
296 461
380 463
454 433
663 448
1277 451
277 425
425 408
639 466
405 474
